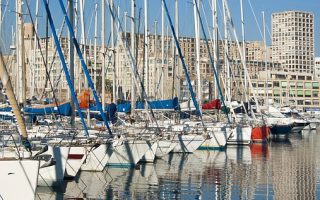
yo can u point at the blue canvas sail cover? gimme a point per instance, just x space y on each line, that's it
62 109
167 104
124 107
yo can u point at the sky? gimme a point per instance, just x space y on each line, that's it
252 13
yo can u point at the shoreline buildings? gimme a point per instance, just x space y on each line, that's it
291 78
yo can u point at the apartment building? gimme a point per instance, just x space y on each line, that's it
288 88
293 41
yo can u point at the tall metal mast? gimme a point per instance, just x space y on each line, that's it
155 70
35 47
176 60
20 54
84 45
103 49
162 50
215 42
95 42
146 45
114 95
132 37
265 61
197 34
227 64
71 59
244 50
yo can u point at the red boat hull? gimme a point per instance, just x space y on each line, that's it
260 133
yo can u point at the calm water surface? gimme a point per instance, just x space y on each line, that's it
285 169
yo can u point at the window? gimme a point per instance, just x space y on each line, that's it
283 84
300 93
307 93
315 85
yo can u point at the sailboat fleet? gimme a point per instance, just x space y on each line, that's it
52 149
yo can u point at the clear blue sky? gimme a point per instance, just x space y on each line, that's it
185 14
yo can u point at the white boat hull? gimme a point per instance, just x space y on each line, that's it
165 147
215 141
96 158
187 143
74 162
54 175
19 179
127 153
150 155
240 135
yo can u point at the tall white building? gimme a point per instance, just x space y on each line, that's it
293 41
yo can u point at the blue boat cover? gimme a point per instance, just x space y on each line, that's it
64 109
168 104
5 109
124 107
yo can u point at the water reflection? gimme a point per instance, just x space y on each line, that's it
285 168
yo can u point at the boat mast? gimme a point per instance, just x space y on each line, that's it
265 61
227 64
155 70
84 49
95 42
146 45
103 49
244 50
197 34
71 60
35 47
20 54
77 68
162 50
175 56
132 37
125 28
113 55
116 61
215 42
175 72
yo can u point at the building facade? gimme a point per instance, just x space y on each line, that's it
293 41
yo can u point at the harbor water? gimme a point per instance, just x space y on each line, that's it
285 168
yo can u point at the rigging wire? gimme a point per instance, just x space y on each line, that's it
137 78
46 68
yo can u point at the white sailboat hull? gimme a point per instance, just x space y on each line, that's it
150 155
165 147
74 162
240 135
127 153
96 158
216 141
19 179
187 143
54 175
